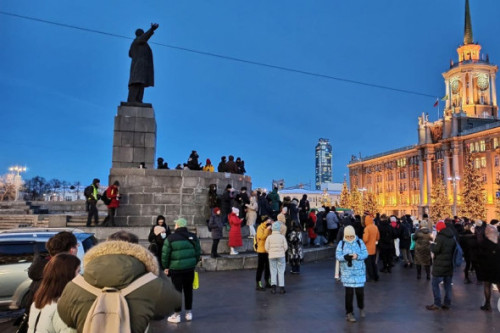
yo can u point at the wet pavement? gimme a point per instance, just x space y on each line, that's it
228 302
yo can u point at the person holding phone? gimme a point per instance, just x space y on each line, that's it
351 253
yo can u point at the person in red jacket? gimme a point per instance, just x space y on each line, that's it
311 224
112 193
235 231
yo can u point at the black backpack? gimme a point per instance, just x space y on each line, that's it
105 199
406 233
87 192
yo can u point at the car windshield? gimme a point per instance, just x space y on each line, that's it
20 252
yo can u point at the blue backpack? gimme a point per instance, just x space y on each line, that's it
458 255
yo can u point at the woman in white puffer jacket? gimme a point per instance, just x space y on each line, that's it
43 313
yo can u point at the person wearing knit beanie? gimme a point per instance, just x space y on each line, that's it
440 226
351 253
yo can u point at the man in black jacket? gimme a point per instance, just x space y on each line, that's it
442 268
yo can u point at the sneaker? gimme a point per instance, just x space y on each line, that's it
432 307
282 290
362 313
189 316
175 318
445 307
350 318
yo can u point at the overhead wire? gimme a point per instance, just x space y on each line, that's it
225 57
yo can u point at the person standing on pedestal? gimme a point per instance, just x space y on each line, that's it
141 69
92 194
113 195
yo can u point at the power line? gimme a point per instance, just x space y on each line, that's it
220 56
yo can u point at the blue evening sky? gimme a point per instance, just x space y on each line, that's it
60 87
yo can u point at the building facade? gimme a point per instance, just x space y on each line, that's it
323 162
402 179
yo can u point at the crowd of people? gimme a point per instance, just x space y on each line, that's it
61 299
229 165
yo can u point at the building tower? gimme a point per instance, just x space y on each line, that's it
323 162
470 83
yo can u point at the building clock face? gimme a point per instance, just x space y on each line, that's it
455 85
483 82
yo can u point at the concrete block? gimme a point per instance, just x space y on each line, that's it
168 189
150 140
137 221
127 172
190 181
126 124
127 139
250 262
187 190
191 210
133 180
140 198
209 264
128 210
153 210
187 199
136 111
164 198
145 125
57 221
149 157
230 263
117 139
123 154
139 139
139 155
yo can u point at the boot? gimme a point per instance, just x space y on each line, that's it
419 272
273 289
282 290
428 272
259 286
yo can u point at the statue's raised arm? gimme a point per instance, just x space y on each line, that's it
141 69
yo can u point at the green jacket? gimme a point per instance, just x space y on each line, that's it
443 253
116 264
181 250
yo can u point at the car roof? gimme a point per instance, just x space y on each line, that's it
39 234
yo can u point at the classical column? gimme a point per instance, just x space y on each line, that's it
421 179
493 89
448 95
446 166
464 90
471 89
455 150
428 163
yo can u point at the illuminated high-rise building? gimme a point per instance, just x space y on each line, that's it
323 162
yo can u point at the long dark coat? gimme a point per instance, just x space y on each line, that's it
443 253
141 69
489 262
422 240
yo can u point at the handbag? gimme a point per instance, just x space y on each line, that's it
196 281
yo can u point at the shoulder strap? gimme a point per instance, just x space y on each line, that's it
80 281
139 282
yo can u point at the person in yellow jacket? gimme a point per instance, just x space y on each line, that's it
208 166
263 231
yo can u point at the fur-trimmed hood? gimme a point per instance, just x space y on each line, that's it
126 248
117 263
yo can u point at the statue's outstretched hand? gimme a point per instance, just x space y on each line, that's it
154 26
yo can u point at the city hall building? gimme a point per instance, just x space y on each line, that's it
402 179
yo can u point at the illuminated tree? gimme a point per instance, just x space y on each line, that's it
345 196
356 202
440 204
473 200
370 204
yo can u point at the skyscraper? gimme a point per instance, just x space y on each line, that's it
323 162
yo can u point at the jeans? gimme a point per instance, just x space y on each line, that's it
349 298
183 282
277 267
436 280
320 240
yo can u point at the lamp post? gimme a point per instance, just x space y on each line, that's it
454 180
17 177
362 190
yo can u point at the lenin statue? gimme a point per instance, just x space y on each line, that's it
141 69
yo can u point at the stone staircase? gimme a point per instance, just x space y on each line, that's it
22 221
15 208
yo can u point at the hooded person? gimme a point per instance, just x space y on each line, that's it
423 238
180 255
216 227
208 166
157 235
235 239
276 247
351 253
371 236
127 262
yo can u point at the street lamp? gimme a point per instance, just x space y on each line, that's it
454 180
17 177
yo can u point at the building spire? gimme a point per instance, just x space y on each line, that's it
468 25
